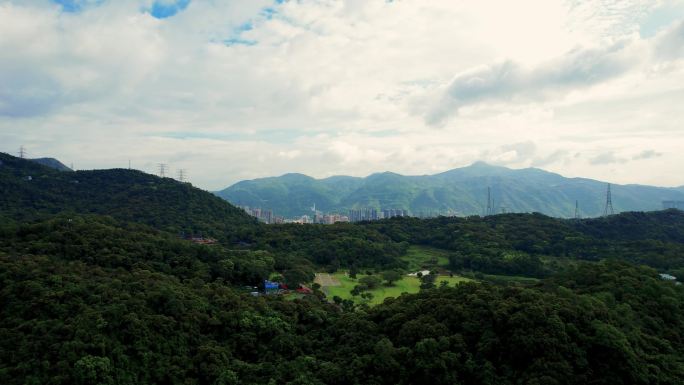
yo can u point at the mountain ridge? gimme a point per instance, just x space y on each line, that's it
461 190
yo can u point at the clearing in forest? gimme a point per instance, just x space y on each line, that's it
344 285
326 280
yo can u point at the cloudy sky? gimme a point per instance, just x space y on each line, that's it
239 89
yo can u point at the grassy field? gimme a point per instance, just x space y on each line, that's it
405 285
424 257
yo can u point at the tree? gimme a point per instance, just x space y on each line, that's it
93 370
295 277
428 281
353 271
358 289
370 281
391 276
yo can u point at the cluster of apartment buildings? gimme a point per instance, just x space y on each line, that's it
372 214
355 215
265 216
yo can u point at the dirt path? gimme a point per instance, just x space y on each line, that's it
325 280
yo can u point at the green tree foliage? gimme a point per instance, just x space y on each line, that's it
371 281
121 299
295 277
427 281
127 195
391 276
518 244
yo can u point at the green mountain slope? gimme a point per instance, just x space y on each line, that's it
29 190
462 190
52 163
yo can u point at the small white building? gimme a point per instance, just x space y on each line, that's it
668 277
422 273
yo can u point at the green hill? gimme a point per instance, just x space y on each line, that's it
52 163
30 190
462 191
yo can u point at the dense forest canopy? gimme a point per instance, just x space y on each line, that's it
99 285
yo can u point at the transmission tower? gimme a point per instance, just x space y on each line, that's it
161 167
22 152
490 209
182 175
609 203
577 212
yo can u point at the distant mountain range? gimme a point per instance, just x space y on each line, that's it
462 191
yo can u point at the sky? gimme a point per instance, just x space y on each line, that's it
240 89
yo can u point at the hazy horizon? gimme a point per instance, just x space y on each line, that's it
237 90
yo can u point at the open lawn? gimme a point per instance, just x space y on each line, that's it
405 285
424 257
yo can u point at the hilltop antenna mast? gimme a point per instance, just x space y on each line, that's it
490 209
609 203
162 169
22 152
577 212
182 174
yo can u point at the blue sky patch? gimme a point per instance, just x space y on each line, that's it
75 6
239 41
162 10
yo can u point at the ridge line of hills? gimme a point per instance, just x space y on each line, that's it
30 189
461 191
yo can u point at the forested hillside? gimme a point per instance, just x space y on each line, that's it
98 286
520 243
81 316
29 190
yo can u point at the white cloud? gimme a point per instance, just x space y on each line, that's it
245 88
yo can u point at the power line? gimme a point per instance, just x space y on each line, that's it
577 212
609 203
22 152
162 167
